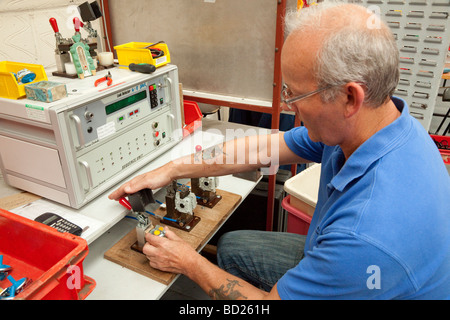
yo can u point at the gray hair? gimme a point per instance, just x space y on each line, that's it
353 50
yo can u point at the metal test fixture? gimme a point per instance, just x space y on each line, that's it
74 149
179 207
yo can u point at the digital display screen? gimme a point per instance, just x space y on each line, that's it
119 105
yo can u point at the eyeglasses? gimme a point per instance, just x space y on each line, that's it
286 97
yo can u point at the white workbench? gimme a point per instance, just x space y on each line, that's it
112 280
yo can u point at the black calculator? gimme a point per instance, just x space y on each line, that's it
59 223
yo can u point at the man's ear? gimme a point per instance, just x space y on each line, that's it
355 98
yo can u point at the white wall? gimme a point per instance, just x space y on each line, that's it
25 32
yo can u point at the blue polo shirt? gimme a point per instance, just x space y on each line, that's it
381 228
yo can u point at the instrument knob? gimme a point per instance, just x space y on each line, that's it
88 115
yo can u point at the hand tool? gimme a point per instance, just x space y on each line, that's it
61 56
58 36
156 52
124 202
141 67
4 269
88 27
77 24
153 44
108 78
16 287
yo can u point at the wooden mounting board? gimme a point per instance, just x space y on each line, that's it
211 219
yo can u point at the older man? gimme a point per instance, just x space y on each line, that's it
381 228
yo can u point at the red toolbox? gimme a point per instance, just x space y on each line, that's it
443 144
192 117
51 260
298 221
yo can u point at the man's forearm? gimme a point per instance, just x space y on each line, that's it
239 155
220 285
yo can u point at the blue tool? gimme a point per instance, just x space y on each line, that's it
4 269
15 288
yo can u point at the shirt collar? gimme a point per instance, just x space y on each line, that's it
373 149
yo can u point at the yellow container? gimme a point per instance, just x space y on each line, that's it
135 52
9 88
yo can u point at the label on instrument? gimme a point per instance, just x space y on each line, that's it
106 130
35 112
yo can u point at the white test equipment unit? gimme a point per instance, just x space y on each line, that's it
74 149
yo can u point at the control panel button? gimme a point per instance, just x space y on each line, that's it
153 96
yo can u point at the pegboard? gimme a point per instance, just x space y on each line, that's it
421 28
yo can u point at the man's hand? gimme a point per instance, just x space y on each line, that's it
173 254
170 253
155 179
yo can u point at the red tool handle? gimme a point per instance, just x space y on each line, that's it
81 22
96 83
124 202
54 24
77 24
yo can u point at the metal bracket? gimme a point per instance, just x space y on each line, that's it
180 205
205 191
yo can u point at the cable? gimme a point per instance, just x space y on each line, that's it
169 219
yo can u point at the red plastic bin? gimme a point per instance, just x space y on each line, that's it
192 117
52 260
444 141
298 221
